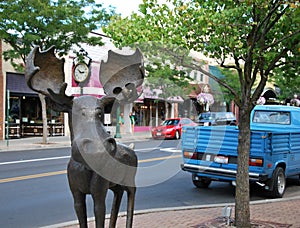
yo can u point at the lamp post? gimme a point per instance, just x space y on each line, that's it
118 134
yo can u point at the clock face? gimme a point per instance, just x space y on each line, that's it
81 72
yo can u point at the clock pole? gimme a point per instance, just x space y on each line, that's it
118 134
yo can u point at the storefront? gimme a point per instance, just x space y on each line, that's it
24 112
150 112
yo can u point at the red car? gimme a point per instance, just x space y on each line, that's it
171 128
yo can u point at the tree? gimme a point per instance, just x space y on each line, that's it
168 79
230 78
62 23
252 37
287 77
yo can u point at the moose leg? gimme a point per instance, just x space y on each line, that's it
99 209
80 208
118 193
99 187
130 206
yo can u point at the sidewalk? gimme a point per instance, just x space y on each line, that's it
59 141
269 213
275 213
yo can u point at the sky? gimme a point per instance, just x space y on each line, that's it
124 7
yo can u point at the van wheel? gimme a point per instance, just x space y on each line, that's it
201 182
177 135
279 183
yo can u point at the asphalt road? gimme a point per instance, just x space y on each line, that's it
34 189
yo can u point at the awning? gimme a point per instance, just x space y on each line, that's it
16 83
175 99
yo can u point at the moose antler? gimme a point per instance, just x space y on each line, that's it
121 74
44 74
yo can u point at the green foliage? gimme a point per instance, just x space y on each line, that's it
231 78
256 36
287 77
170 81
164 70
63 23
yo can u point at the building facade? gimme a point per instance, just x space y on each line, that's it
21 113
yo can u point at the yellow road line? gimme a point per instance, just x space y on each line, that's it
32 176
11 179
158 159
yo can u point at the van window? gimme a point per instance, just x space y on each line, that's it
272 117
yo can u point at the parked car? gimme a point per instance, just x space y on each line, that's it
171 128
216 118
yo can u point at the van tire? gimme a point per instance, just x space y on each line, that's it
201 182
279 183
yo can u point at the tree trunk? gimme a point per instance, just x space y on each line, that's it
44 118
242 194
166 110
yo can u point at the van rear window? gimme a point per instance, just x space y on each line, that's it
272 117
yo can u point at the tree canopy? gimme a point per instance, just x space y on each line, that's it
234 33
167 78
63 23
287 77
251 37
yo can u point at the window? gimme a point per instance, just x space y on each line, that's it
272 117
192 75
201 77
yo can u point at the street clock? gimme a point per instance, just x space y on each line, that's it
81 68
81 72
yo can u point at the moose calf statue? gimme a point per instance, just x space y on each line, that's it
98 163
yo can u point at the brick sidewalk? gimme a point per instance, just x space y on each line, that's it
269 214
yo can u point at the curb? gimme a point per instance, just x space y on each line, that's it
63 142
183 208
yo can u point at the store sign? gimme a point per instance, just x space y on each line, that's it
107 119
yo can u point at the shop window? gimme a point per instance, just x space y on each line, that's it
31 109
14 111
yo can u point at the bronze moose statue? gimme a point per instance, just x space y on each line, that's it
98 163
